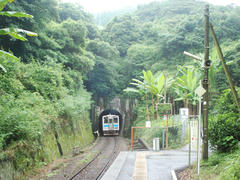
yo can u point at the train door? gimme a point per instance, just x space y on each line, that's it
110 122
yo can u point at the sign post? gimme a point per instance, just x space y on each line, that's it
184 113
200 91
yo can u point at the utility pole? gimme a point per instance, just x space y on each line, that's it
205 86
226 70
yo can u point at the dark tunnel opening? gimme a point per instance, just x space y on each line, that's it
106 112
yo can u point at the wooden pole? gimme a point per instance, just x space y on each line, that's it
226 70
190 142
131 138
205 86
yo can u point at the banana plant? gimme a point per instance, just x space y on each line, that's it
150 85
186 84
13 32
159 90
150 81
141 88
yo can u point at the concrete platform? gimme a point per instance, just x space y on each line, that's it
147 165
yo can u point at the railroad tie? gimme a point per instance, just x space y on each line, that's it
140 170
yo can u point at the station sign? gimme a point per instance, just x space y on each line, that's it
194 134
184 112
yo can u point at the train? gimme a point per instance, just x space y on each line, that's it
110 124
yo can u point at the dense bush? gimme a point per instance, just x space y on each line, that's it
19 121
224 128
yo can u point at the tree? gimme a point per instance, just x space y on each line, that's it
103 80
186 84
142 90
122 32
151 85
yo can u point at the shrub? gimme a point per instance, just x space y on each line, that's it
224 129
18 121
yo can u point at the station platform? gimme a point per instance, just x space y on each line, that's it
148 165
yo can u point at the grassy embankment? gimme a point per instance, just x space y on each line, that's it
219 166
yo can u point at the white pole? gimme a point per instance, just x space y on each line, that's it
199 125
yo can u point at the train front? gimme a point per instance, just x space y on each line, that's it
110 122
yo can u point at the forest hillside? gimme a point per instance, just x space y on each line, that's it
46 95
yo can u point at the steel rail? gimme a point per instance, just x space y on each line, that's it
105 166
84 167
110 159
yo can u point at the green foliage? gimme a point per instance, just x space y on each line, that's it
73 11
103 79
186 83
103 18
3 3
157 130
154 87
32 97
139 56
71 52
122 32
224 128
13 32
18 122
163 30
222 165
165 108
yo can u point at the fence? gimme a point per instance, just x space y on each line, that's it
172 132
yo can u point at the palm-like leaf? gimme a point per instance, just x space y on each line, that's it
8 55
3 3
1 67
14 32
128 89
15 14
187 83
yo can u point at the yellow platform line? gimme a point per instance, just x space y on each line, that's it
140 170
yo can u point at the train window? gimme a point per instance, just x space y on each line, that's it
115 120
110 120
105 120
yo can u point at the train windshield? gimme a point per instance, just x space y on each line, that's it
110 120
115 120
105 120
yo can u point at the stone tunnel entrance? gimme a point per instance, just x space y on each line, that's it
106 112
121 106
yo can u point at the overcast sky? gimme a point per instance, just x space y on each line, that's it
96 6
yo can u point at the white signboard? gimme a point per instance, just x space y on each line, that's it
194 134
184 113
200 91
148 124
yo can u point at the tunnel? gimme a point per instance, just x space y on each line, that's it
106 112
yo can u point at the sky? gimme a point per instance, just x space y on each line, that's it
98 6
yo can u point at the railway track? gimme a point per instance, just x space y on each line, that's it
96 168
